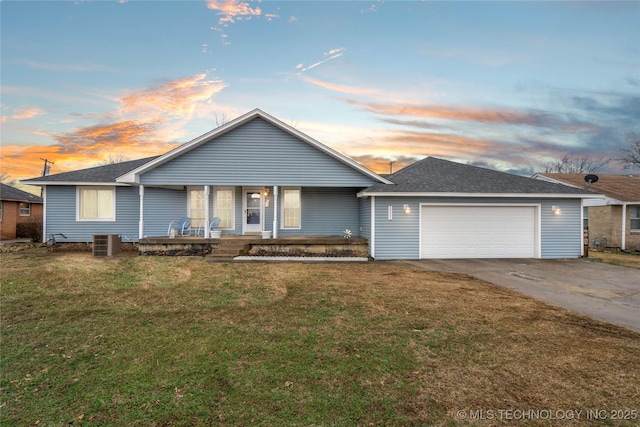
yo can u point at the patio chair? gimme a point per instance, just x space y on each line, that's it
180 227
215 222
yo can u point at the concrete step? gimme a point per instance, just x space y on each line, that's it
227 250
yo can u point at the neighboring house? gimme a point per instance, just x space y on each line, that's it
256 173
17 207
614 220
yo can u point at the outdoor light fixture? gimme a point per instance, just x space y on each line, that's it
556 210
406 208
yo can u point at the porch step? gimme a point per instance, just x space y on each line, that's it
228 250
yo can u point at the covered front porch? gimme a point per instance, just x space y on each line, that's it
215 211
238 247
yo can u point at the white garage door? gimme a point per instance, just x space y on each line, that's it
478 232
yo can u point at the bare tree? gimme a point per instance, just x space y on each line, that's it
6 179
631 157
576 164
222 120
113 159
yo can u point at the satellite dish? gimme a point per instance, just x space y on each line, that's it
591 178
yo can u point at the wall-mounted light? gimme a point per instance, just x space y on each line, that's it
406 208
266 191
556 210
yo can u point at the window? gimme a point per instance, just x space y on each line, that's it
634 218
196 207
291 208
96 204
224 207
585 218
25 209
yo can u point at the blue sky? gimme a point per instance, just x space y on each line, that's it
506 85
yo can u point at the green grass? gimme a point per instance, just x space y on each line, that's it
177 341
140 344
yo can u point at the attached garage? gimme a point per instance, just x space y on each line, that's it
436 208
479 231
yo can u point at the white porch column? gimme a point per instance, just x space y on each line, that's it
206 212
623 240
372 239
275 211
141 220
44 213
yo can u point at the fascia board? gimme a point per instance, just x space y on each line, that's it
74 183
483 195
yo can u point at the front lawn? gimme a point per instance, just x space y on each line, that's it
160 341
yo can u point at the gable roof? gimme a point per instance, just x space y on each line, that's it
10 193
133 176
437 177
623 188
96 175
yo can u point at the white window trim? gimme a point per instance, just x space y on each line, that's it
20 209
631 229
93 187
204 209
233 205
282 217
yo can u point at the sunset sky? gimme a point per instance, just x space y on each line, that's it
506 85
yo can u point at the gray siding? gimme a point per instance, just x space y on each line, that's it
560 235
365 217
61 215
161 206
397 238
325 212
256 154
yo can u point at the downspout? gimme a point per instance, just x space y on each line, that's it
623 240
141 219
205 234
275 211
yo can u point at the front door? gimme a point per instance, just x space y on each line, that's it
253 212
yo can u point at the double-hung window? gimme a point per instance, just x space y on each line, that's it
25 209
196 207
96 204
291 208
634 218
224 208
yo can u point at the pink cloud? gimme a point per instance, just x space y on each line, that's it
232 10
349 90
177 98
27 114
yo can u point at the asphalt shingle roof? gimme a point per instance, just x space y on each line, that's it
434 175
107 173
8 192
625 188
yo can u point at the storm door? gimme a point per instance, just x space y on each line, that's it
253 210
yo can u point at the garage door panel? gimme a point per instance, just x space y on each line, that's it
478 232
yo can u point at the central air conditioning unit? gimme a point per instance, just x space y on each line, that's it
106 244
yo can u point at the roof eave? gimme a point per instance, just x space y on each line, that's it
75 183
483 195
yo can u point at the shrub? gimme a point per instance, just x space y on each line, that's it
31 230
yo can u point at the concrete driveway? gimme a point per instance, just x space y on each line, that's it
602 291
